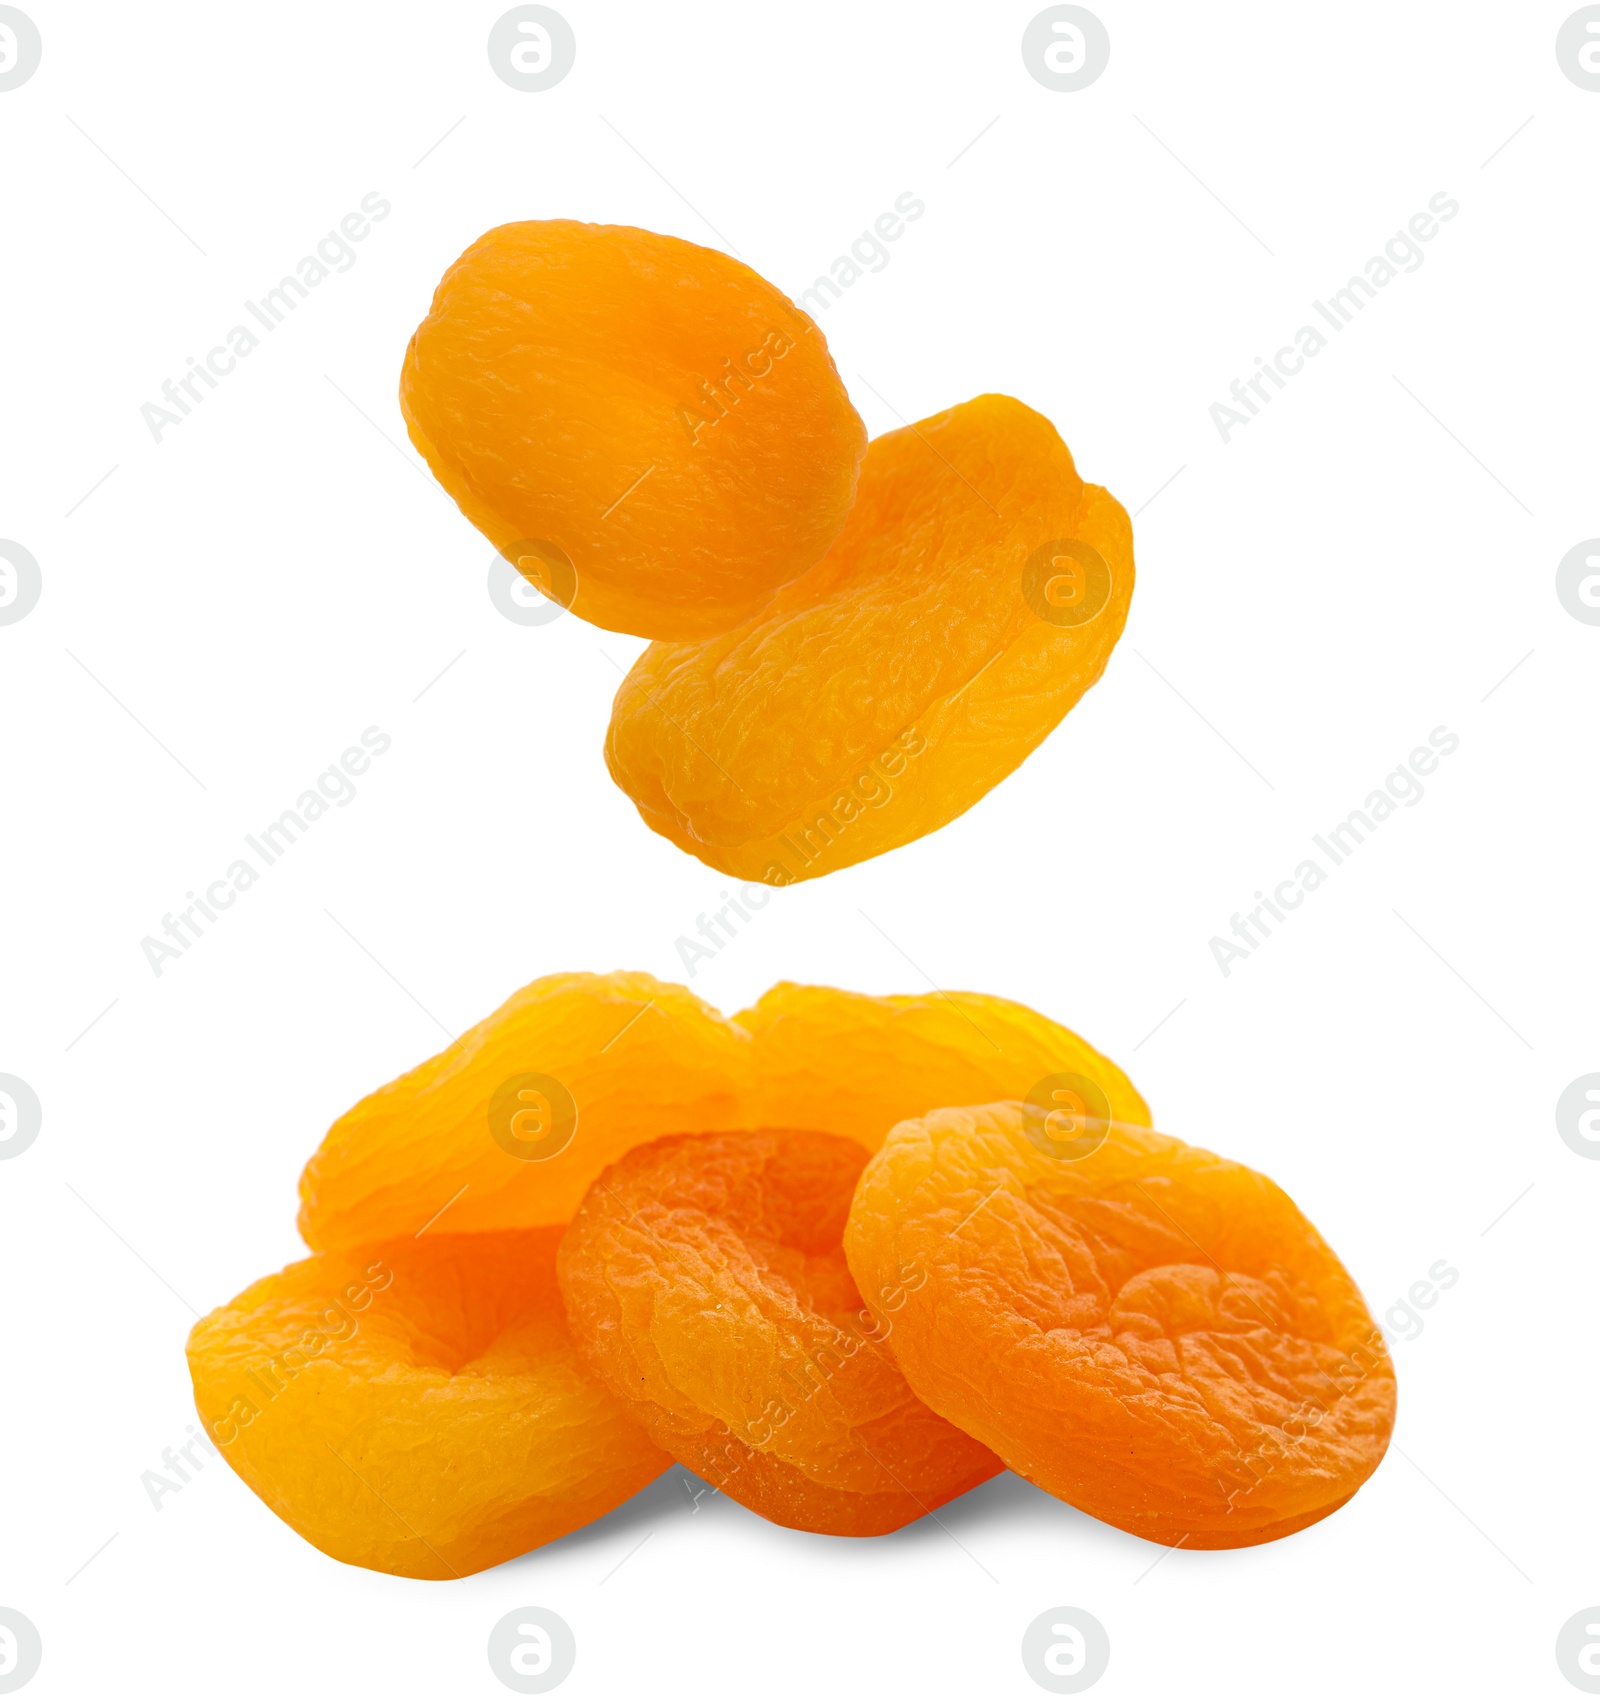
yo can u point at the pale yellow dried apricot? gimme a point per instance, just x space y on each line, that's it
707 1290
1150 1332
417 1407
973 596
648 430
856 1064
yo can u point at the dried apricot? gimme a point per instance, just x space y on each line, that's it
853 1064
973 596
706 1287
1150 1332
418 1407
508 1126
650 431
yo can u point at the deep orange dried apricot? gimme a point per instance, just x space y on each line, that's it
648 430
417 1407
1150 1332
973 596
508 1126
707 1290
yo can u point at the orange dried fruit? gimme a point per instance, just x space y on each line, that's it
417 1408
973 596
647 429
1150 1332
508 1126
707 1289
853 1064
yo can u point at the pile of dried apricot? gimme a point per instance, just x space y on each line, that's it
844 1256
854 642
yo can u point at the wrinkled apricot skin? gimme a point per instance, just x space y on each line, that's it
706 1288
666 419
975 593
417 1408
1147 1331
641 1058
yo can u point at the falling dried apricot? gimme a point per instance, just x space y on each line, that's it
1150 1332
706 1287
508 1126
417 1408
973 596
647 429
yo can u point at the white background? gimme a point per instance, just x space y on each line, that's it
1366 561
